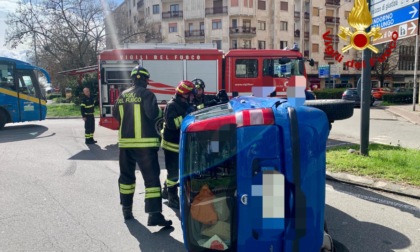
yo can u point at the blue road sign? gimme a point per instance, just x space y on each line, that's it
401 15
324 71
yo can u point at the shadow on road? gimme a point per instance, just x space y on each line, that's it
152 242
334 143
371 196
349 234
95 152
14 133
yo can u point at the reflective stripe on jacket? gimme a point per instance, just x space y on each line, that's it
136 110
175 112
87 107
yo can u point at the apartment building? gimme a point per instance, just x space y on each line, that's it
258 24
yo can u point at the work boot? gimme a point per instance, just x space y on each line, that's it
127 212
164 191
173 199
90 141
157 219
94 141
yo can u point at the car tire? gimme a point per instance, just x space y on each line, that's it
335 109
3 119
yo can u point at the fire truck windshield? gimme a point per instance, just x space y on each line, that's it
283 68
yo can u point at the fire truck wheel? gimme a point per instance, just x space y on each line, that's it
159 125
335 109
3 119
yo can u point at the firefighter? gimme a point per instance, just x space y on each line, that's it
203 100
136 110
87 109
176 110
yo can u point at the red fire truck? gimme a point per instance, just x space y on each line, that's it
239 72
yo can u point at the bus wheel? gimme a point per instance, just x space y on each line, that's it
3 119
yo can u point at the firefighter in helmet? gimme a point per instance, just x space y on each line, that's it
203 100
176 110
136 110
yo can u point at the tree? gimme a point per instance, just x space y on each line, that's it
65 34
386 64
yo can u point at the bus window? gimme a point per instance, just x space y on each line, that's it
6 76
26 84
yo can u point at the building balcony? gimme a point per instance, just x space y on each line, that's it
297 34
217 11
306 35
334 38
297 14
243 31
172 14
332 20
140 4
306 53
194 33
306 14
332 2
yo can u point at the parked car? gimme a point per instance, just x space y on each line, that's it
403 90
351 94
379 92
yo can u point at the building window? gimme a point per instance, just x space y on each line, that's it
315 11
261 25
283 44
284 6
346 14
283 26
345 67
173 27
234 3
216 24
218 43
315 29
156 9
261 5
261 44
315 48
247 43
234 44
246 68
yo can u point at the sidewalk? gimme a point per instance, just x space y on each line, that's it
405 111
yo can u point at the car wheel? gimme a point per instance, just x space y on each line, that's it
3 119
335 109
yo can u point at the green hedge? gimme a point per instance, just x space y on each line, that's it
52 96
329 93
403 98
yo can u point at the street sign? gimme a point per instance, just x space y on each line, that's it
398 16
395 15
335 71
382 7
404 30
324 71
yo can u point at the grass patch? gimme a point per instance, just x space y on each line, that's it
66 110
391 163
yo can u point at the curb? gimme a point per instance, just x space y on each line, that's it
403 190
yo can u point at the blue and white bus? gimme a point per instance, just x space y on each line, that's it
21 96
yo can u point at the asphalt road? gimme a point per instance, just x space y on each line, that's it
385 128
57 194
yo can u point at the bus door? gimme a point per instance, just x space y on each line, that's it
32 105
8 94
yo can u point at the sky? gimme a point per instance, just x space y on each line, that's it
20 52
